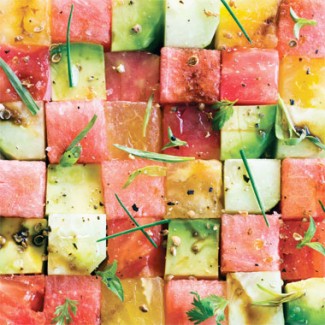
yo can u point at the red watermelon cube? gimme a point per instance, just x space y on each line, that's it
135 255
250 76
303 185
304 263
311 41
22 189
248 245
132 76
189 75
65 120
143 198
31 65
91 21
192 125
178 299
86 290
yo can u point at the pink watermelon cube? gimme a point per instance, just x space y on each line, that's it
132 76
65 120
250 76
22 188
248 245
192 125
31 65
303 185
86 290
91 21
189 75
143 198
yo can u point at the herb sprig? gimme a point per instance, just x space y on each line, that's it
19 88
147 116
207 307
300 23
173 141
110 279
225 110
63 312
322 205
72 80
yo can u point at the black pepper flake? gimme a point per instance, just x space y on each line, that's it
75 245
190 192
7 51
246 178
210 189
170 203
308 71
95 207
135 208
284 270
316 52
101 204
256 264
173 138
292 101
243 85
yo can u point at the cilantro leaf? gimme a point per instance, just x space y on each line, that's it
110 279
300 23
63 312
225 110
173 141
207 307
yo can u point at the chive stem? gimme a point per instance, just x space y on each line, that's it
147 116
322 205
71 80
232 14
128 231
134 221
260 203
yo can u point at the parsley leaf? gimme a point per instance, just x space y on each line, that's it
63 312
207 307
225 110
173 141
300 23
110 279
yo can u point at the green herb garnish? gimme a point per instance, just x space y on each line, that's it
129 231
225 110
63 312
232 14
23 93
153 155
207 307
277 298
173 141
73 152
259 201
300 23
72 80
153 171
134 221
322 205
110 279
147 115
308 236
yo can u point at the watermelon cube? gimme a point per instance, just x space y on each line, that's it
304 263
192 125
72 247
25 22
22 135
126 115
248 245
310 42
131 76
302 73
194 189
141 203
31 65
250 76
22 257
201 18
75 189
143 303
91 21
65 120
178 299
85 290
302 188
135 255
189 75
22 189
9 315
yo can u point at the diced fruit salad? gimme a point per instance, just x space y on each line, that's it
162 162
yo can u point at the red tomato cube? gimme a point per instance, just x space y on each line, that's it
304 263
132 76
135 255
248 245
311 41
65 120
192 125
22 189
189 75
31 65
250 76
143 198
303 186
